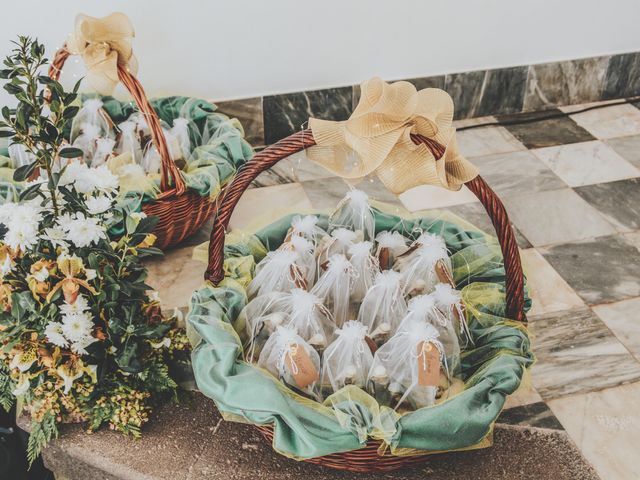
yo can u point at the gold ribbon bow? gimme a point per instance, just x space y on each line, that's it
103 43
377 139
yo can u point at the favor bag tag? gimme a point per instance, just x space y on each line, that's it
444 274
383 259
301 367
428 364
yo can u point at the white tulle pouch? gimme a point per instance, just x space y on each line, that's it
277 272
408 369
180 132
91 113
20 156
383 307
449 301
260 318
337 243
365 267
311 319
389 246
307 227
347 360
333 287
306 260
354 213
151 160
103 151
424 265
423 309
292 360
86 140
129 141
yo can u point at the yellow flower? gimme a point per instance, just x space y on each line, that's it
148 241
5 296
71 267
74 369
41 271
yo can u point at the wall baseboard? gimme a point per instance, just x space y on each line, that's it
478 93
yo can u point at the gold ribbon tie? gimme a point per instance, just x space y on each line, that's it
103 43
376 139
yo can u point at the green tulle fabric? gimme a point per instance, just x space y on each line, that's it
491 369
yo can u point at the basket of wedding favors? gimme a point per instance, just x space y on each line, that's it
172 155
362 338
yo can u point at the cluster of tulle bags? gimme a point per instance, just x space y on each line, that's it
94 132
348 307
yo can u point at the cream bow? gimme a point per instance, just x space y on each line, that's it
377 138
104 43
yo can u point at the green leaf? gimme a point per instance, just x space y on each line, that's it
12 89
31 192
70 112
24 172
147 225
71 152
7 133
127 359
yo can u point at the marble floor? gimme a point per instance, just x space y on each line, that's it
571 186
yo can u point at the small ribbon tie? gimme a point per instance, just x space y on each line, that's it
377 139
103 43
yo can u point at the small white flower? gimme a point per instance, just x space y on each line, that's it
54 333
55 235
98 205
22 239
68 376
105 181
80 345
82 231
22 387
81 305
77 326
22 221
90 273
22 361
137 216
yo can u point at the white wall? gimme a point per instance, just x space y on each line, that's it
240 48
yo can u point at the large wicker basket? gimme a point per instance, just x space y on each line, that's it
180 210
369 458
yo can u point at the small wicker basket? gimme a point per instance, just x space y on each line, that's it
180 210
370 458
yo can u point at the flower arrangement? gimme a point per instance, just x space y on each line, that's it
81 339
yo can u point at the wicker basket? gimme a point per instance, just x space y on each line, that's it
180 210
369 458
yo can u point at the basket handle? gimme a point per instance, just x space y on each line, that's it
304 139
168 170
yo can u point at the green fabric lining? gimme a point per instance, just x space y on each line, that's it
492 369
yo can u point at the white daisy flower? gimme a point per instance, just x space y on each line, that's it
105 181
55 235
81 305
54 333
83 231
80 346
98 205
90 273
6 266
77 326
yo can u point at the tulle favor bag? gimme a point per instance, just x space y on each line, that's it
334 287
389 246
354 213
347 360
424 265
365 268
289 358
412 365
383 307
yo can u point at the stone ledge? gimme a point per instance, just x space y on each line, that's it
191 442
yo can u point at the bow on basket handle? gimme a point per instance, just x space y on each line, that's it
305 139
105 46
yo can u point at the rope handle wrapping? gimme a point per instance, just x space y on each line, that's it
299 141
169 171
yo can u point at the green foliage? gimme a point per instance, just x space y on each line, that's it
6 385
41 434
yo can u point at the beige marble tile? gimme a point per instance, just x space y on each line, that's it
623 319
487 141
586 163
426 197
175 276
633 238
605 426
465 122
258 202
609 122
549 292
